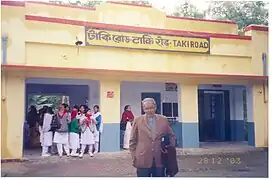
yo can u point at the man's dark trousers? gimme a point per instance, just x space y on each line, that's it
150 172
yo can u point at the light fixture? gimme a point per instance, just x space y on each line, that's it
78 43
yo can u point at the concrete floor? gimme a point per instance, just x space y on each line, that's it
220 160
205 148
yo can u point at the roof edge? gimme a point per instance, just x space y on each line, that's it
254 27
198 19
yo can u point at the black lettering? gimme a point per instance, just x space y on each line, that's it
192 44
162 42
196 44
137 40
183 43
92 34
175 45
147 39
105 35
206 45
188 44
201 45
179 43
120 38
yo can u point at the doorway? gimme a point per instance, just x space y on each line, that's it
51 93
214 115
156 96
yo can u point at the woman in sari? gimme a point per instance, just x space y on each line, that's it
126 125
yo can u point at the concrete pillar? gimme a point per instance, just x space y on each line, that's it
237 114
13 98
110 110
188 96
260 116
257 116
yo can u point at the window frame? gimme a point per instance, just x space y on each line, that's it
172 109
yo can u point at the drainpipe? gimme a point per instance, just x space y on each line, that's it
4 47
264 58
264 64
4 61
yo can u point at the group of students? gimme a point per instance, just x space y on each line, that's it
72 131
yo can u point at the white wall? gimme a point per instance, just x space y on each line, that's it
94 94
250 104
131 94
238 103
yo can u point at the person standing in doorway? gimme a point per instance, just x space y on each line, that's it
125 126
74 132
99 127
146 138
87 124
42 112
46 135
61 137
32 120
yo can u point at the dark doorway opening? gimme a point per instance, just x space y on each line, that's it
214 115
50 95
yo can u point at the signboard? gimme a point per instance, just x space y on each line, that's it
110 38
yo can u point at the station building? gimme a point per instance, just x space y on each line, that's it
209 81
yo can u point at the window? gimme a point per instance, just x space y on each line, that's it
170 109
175 110
167 109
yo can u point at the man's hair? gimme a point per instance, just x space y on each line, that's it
149 100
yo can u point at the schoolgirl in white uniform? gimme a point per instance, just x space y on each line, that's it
98 127
46 136
79 115
87 124
61 137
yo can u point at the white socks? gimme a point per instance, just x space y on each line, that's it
96 147
44 150
83 147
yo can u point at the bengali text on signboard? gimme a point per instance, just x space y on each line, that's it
132 40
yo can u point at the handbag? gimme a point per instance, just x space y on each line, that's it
55 124
169 157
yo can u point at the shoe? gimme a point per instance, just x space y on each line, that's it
80 155
54 153
60 155
91 154
67 155
74 154
46 155
95 152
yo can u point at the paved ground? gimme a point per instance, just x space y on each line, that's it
238 164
